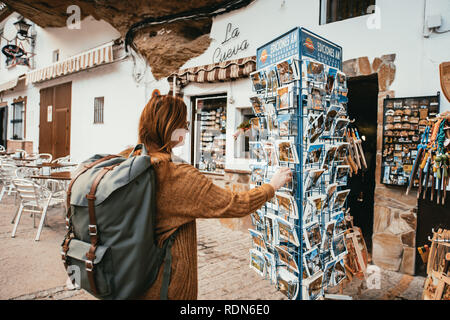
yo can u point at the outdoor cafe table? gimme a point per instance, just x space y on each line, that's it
64 176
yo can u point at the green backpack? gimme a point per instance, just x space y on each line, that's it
110 248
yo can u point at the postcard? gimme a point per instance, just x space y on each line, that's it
287 71
312 236
330 192
312 177
287 283
315 127
286 151
287 258
313 287
257 105
329 157
339 272
341 175
270 227
270 153
338 248
257 218
328 274
340 126
328 235
287 125
258 239
332 113
341 196
341 151
312 262
257 262
286 205
287 232
285 97
315 100
341 224
271 266
272 79
331 77
258 173
262 128
315 151
257 152
315 71
258 81
272 124
313 208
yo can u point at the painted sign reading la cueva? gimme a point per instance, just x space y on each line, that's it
231 46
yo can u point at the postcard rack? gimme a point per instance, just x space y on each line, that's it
298 240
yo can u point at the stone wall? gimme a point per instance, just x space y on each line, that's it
395 216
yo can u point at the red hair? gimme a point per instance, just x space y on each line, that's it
160 118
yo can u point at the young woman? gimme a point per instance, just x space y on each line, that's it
184 194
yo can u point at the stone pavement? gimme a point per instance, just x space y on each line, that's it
33 270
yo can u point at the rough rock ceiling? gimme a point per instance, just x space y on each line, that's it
166 47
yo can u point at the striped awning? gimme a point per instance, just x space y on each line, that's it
217 72
9 84
88 59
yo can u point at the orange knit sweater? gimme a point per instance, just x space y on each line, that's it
184 194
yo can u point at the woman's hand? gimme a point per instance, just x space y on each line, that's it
280 178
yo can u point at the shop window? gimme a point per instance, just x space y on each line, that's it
99 103
210 116
338 10
17 120
241 143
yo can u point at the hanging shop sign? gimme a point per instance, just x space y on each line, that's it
444 70
227 50
15 55
299 41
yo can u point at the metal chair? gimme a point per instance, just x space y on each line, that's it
44 157
34 198
7 173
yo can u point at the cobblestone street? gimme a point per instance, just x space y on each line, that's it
33 270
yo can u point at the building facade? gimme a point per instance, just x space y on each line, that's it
390 49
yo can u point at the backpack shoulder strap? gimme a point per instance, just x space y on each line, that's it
167 267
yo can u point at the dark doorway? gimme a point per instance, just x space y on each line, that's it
363 107
3 122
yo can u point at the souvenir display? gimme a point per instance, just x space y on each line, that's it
431 167
301 122
404 122
210 115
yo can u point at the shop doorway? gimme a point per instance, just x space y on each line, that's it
363 107
3 125
54 127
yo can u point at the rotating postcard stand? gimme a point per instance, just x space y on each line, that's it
300 122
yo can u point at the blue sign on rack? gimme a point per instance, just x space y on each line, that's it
299 42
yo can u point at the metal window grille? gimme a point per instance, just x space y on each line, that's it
99 103
17 120
337 10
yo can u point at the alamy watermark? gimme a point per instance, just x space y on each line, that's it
374 21
373 277
74 20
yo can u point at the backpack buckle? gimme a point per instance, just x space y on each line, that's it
89 265
92 229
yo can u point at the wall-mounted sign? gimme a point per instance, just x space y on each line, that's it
49 113
298 42
226 50
444 70
16 55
